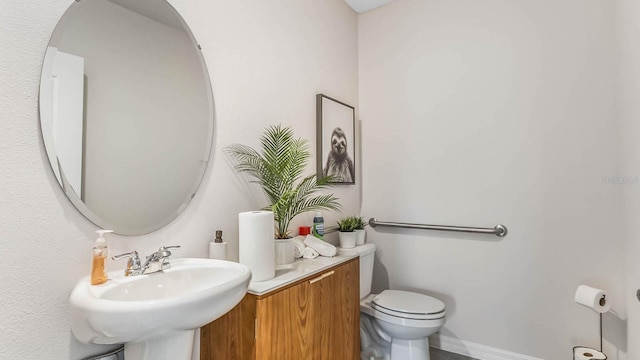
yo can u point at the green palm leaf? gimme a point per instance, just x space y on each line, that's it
279 169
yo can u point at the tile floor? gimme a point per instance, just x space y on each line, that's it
437 354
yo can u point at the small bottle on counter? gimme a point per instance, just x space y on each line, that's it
100 253
304 231
218 248
318 226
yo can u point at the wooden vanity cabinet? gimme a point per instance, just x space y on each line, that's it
317 317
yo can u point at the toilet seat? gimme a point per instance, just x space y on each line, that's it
408 305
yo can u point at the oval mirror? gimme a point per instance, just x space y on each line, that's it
126 112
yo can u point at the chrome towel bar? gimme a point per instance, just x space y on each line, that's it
499 230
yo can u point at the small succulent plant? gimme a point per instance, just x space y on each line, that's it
348 224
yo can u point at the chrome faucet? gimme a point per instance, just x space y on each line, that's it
159 260
155 262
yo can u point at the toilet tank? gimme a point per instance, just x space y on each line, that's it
367 254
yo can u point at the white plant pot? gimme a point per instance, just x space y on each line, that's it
347 239
359 237
284 251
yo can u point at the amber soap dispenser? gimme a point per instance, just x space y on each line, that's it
100 252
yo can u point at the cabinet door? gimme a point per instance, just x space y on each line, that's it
318 319
285 324
323 317
231 337
344 292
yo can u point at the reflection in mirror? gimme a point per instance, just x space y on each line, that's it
126 112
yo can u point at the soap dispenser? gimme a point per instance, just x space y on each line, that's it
218 248
100 252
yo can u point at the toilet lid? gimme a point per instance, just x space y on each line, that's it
408 304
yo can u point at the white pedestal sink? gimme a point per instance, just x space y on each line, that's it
155 315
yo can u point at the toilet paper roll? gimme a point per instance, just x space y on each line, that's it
218 251
256 245
585 353
592 298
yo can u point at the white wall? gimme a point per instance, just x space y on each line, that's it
267 60
496 111
628 31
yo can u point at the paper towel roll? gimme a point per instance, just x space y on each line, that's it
256 245
218 251
593 298
585 353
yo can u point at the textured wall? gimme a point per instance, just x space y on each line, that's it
628 19
497 111
267 61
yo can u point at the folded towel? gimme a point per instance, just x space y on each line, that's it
323 248
298 246
309 253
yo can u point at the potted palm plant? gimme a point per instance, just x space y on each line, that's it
346 232
278 168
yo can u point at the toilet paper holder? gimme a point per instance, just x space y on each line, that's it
595 299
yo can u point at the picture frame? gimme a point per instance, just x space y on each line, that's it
335 140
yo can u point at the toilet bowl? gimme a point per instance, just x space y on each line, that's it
405 329
394 325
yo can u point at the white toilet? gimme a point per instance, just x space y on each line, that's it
394 325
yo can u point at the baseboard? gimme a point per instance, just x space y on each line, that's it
476 351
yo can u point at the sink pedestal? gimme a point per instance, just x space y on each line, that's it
176 346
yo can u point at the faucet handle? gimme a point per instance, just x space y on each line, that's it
130 255
164 252
133 265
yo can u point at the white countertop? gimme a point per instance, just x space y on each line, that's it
301 268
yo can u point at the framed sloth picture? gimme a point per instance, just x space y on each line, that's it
335 140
